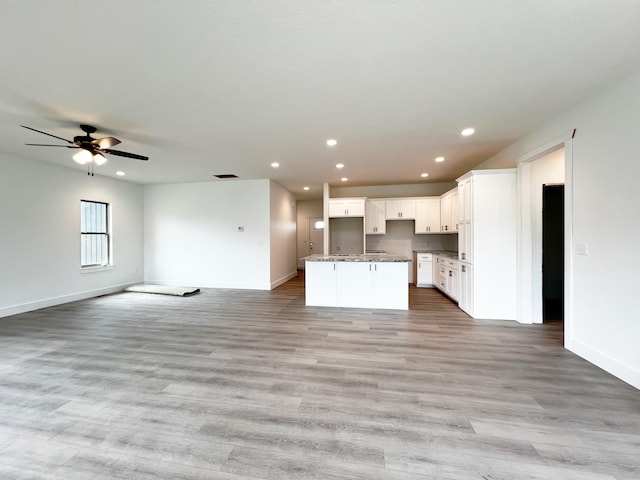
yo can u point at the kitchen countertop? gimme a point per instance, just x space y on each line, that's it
358 258
442 253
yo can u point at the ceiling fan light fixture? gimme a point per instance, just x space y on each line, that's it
83 157
99 159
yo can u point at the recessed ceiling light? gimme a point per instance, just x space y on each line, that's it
439 159
424 175
120 173
344 179
332 142
306 188
275 164
467 131
339 165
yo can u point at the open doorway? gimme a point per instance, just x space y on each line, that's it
552 253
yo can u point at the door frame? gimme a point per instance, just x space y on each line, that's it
529 244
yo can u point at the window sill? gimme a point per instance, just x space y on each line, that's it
96 269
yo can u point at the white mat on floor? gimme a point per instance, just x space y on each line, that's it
162 290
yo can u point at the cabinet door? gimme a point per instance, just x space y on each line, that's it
337 208
435 272
390 285
465 243
408 209
454 222
465 300
375 217
320 284
427 215
401 209
342 207
354 284
453 283
424 274
465 195
355 208
393 210
445 212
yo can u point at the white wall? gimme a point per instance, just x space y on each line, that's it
192 237
605 153
40 235
346 235
283 235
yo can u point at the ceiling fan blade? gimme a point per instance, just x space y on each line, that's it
120 153
45 133
106 142
50 145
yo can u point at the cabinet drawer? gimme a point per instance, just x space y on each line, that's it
424 257
453 264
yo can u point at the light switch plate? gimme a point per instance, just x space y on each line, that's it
582 249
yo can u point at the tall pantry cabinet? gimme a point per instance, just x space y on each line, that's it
487 243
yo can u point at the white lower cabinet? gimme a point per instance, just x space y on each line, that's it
446 273
423 269
390 288
317 275
354 283
357 284
453 279
465 299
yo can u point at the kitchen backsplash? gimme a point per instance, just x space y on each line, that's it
400 239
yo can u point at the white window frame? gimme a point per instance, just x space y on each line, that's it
107 264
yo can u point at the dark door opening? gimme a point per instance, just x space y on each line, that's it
552 253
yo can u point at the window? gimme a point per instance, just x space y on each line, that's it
94 234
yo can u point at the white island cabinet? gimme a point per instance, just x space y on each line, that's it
357 281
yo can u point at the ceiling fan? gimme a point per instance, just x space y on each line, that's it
91 150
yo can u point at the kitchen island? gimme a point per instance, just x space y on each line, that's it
357 281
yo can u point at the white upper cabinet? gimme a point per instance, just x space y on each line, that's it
465 204
401 209
428 215
346 207
449 211
375 218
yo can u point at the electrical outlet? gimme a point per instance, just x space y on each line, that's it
241 229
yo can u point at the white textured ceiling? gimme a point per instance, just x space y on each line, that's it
207 87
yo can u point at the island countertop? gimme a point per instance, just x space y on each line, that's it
357 258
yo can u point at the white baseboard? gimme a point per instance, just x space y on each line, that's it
284 279
624 372
50 302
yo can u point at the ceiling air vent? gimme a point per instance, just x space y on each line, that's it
226 175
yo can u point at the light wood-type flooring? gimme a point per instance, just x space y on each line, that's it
237 384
